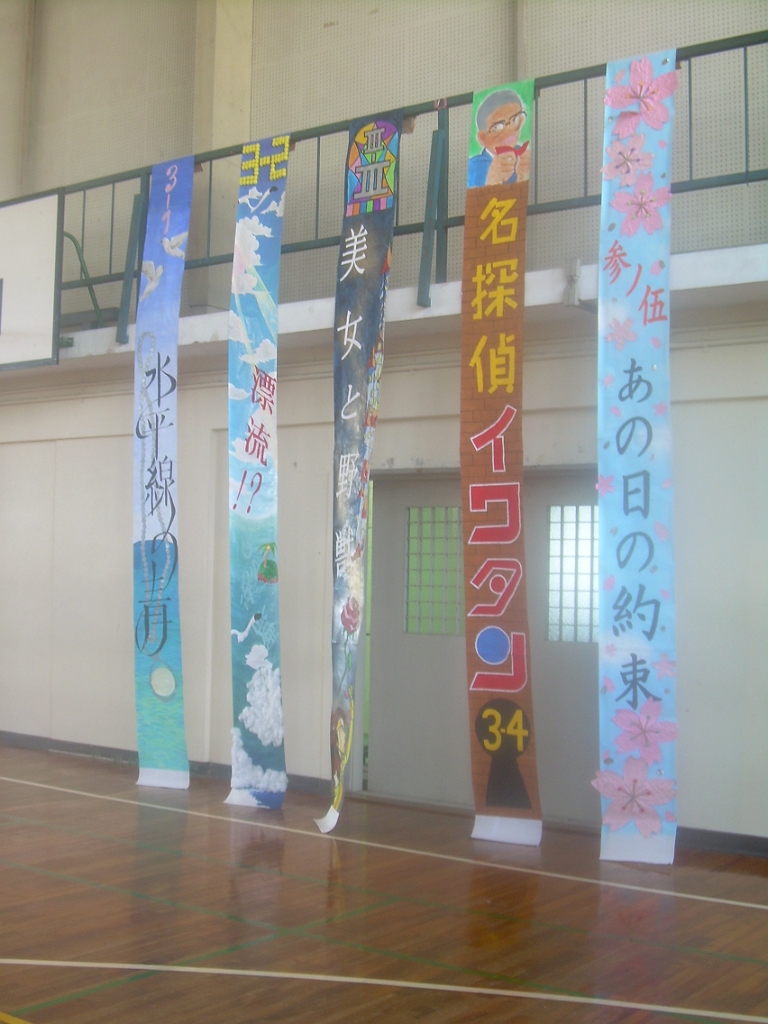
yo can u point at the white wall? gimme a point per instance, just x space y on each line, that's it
66 668
15 40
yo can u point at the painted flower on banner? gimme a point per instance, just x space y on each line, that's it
634 797
643 731
620 333
647 92
350 615
604 485
641 206
626 160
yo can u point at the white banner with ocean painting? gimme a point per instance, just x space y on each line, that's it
638 715
258 755
157 631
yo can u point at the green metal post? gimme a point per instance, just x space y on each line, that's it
84 273
430 217
441 227
130 268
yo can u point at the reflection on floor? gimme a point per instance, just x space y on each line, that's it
447 929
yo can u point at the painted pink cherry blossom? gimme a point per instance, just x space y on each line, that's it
610 650
607 381
608 685
662 145
626 160
660 408
615 411
656 342
669 816
621 333
661 531
634 797
642 731
609 583
665 667
664 594
604 485
666 484
647 92
657 266
641 206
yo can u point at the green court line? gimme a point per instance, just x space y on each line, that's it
187 961
306 933
407 900
95 989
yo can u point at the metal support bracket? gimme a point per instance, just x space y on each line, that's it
571 296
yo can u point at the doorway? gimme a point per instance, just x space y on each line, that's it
418 740
418 735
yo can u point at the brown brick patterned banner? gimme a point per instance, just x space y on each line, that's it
502 732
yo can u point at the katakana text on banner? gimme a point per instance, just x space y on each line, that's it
502 735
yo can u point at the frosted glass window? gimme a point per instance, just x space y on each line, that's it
434 574
573 569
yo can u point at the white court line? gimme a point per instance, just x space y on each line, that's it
453 858
423 986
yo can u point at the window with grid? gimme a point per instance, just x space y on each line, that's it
434 574
573 568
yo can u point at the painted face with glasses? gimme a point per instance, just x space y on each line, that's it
499 122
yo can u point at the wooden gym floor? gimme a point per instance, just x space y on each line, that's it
126 905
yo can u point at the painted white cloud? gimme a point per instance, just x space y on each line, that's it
237 330
277 208
247 775
237 393
263 714
266 352
254 226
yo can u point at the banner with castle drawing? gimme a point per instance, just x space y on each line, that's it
361 289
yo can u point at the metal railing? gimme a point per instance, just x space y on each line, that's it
437 221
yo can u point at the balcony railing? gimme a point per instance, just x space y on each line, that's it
106 216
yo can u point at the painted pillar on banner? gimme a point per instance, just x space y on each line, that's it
361 290
157 632
502 735
638 715
258 755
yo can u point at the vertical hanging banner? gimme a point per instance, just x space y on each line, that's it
361 290
258 754
502 735
157 631
638 715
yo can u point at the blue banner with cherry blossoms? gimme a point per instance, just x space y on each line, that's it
258 755
638 725
157 631
361 290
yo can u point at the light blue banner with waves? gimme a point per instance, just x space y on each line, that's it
157 631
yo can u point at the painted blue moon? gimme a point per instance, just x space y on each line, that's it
493 645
